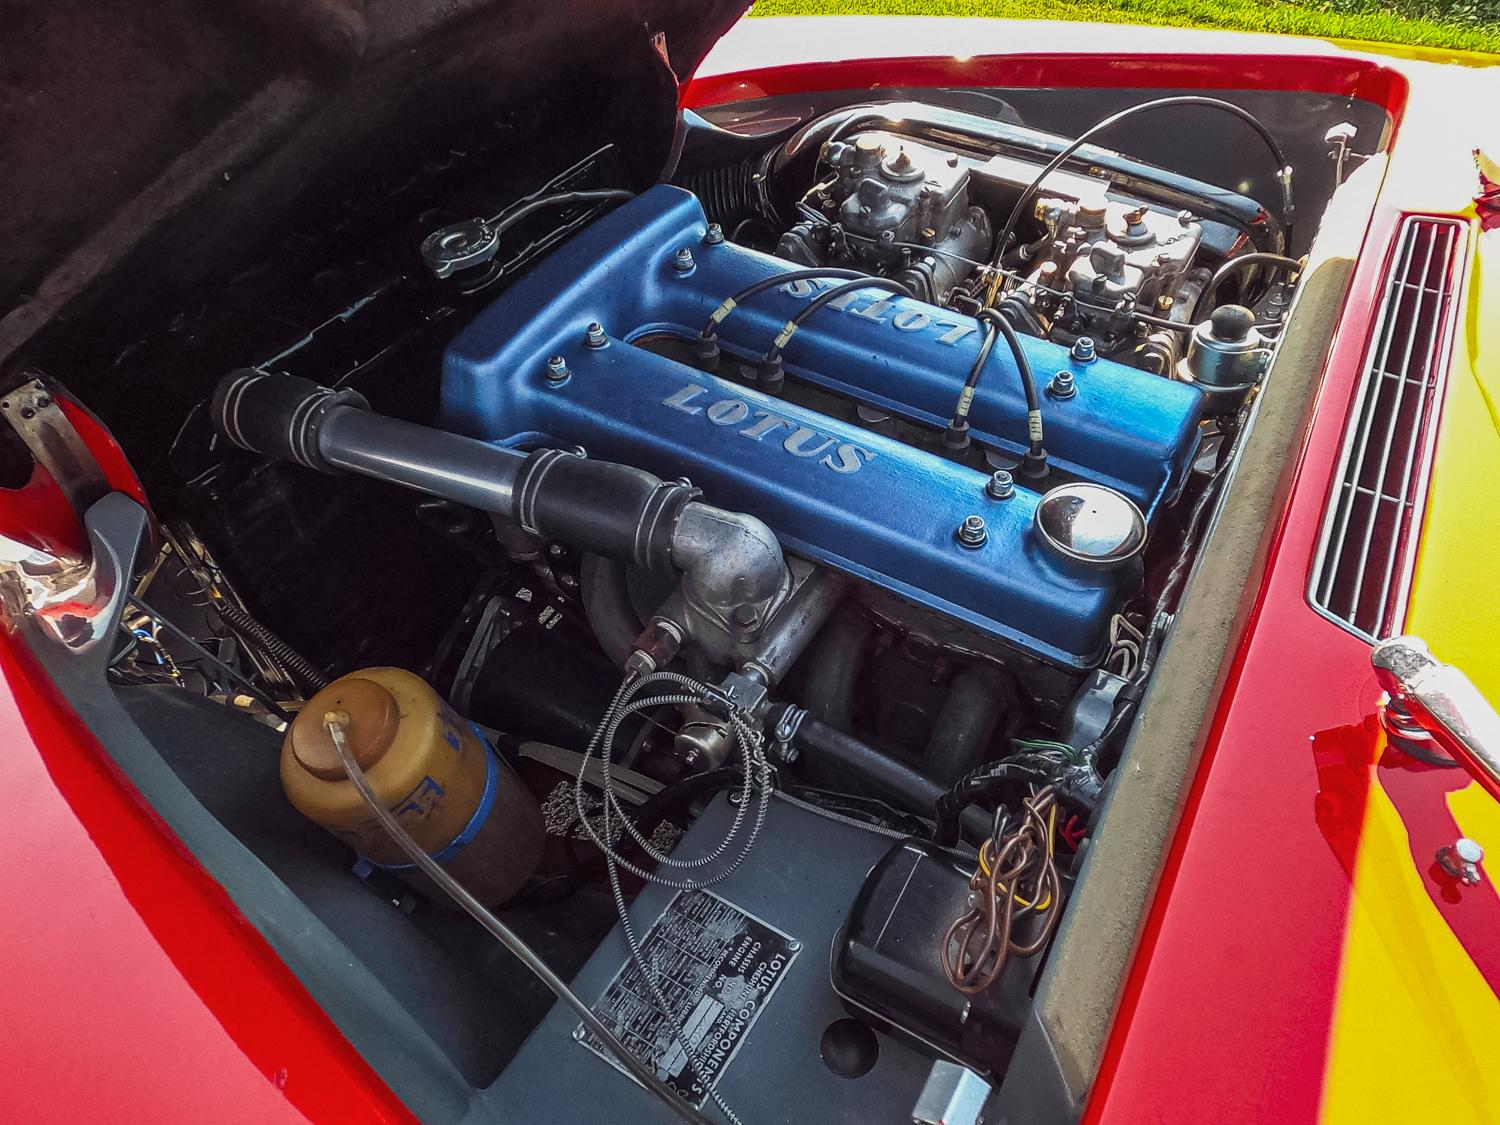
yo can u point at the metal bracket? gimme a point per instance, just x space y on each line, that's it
952 1095
33 412
735 694
1340 141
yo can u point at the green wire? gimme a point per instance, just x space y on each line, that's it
1046 744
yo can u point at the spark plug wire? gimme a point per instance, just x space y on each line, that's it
998 326
818 273
771 372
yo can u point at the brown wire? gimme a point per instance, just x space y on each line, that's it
1021 870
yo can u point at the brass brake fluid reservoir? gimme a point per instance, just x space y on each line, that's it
449 790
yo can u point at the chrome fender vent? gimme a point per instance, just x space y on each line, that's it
1361 576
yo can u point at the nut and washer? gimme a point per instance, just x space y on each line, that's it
715 234
972 533
1062 386
1000 486
1461 859
1083 350
683 262
557 370
594 336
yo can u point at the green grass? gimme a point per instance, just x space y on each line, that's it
1465 25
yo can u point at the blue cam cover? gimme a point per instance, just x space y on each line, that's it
832 491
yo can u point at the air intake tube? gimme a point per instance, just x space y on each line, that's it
607 509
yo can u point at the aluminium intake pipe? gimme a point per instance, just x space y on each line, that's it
604 508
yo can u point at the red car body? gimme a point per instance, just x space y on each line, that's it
135 991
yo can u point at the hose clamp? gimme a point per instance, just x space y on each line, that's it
538 465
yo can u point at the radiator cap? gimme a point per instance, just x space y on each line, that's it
1091 524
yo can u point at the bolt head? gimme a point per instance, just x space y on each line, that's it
972 532
683 262
1461 860
1062 385
1000 486
1083 349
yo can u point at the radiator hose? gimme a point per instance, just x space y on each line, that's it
729 561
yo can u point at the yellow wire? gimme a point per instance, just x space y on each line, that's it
985 866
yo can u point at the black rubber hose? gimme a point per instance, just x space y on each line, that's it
1233 266
834 668
600 506
849 757
1283 169
961 735
606 604
597 506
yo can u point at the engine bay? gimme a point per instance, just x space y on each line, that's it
741 587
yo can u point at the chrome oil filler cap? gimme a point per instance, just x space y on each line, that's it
1091 524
